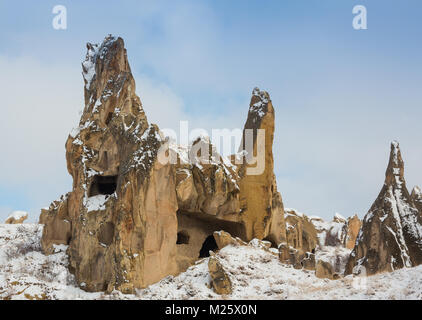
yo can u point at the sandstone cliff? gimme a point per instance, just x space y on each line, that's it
301 233
122 209
131 218
391 234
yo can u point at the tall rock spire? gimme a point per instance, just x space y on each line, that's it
131 218
119 220
391 234
261 204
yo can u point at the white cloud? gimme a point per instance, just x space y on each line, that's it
40 104
327 159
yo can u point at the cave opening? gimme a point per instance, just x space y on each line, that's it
182 237
273 243
208 245
105 185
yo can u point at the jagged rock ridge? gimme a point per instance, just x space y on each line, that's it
391 234
131 219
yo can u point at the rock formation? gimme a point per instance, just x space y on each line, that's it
300 232
223 239
220 280
58 228
352 230
132 218
338 232
324 270
416 197
16 217
223 195
391 233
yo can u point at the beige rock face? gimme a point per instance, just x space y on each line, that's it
220 280
17 217
391 233
301 233
261 205
58 228
122 209
353 227
308 261
324 270
132 219
338 232
223 194
223 239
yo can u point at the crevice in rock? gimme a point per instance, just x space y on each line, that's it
105 185
182 237
273 243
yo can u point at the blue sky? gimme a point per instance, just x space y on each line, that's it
340 95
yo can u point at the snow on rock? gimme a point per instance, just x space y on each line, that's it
96 203
256 273
391 234
417 198
17 217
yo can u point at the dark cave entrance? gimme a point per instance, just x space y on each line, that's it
182 237
273 243
105 185
208 245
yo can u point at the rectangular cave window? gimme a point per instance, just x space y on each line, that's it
105 185
182 237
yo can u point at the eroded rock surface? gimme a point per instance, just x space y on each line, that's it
338 232
122 209
220 280
391 234
301 233
16 217
131 218
353 227
325 270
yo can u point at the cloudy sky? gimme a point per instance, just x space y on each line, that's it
340 95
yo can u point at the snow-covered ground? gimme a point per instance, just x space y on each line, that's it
25 273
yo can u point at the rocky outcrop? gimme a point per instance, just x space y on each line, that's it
220 280
416 197
352 230
325 270
224 239
338 232
300 232
16 217
391 233
297 258
58 226
134 215
122 209
235 195
261 205
308 261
